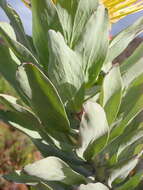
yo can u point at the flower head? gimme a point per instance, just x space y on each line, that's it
117 8
121 8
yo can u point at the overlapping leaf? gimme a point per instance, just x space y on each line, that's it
54 169
19 50
43 98
111 94
44 17
93 130
95 48
65 71
16 23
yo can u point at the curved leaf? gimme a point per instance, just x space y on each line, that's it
121 40
111 94
44 17
65 71
131 106
18 49
132 183
54 169
93 131
123 170
15 21
43 98
131 68
94 49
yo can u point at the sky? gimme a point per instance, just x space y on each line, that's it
26 17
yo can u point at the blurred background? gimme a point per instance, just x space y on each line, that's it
16 150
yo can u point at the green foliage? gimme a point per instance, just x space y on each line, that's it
81 112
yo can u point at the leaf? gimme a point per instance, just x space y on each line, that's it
18 49
54 169
84 11
125 146
120 173
132 183
131 106
8 67
73 16
94 49
65 71
121 40
93 186
131 68
111 94
44 17
129 144
20 117
43 97
15 21
20 177
93 131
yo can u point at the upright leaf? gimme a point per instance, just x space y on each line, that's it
65 71
131 68
94 49
121 40
43 97
73 16
131 106
93 131
123 170
18 49
16 23
111 94
44 17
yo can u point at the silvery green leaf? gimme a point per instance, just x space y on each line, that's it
54 169
117 175
94 49
93 132
111 93
65 72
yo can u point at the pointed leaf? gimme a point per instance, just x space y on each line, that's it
20 177
121 40
131 106
44 17
122 171
84 11
132 183
93 130
20 117
111 94
65 71
8 67
94 49
16 23
73 16
43 97
19 50
132 67
54 169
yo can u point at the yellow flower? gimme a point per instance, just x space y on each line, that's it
117 8
121 8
